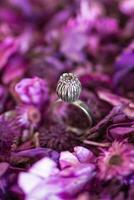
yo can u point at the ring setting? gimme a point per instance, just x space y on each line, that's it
68 87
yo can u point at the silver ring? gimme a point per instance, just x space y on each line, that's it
68 90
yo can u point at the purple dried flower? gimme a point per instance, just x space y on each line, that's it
125 59
124 70
28 116
95 104
45 179
57 137
14 69
92 79
23 5
107 26
67 159
8 134
37 153
83 154
72 44
120 131
80 155
116 162
127 7
47 67
112 98
86 37
115 100
90 10
7 48
32 91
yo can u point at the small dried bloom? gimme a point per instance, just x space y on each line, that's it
32 91
28 116
116 162
57 137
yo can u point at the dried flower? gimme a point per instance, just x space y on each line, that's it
79 155
107 26
48 68
32 91
45 180
124 70
40 41
28 116
120 131
7 48
116 162
90 10
83 154
14 70
8 133
57 137
127 7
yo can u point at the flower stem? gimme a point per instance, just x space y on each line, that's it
96 143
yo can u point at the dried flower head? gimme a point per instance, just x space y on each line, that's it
116 162
32 91
28 115
57 137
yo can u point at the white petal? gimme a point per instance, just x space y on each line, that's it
28 181
44 168
45 190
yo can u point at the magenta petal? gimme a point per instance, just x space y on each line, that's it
7 48
67 159
84 155
15 69
120 131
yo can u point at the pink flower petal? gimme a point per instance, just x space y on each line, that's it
67 159
83 154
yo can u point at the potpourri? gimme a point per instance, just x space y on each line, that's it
40 157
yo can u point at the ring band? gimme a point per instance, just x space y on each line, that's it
85 109
68 90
